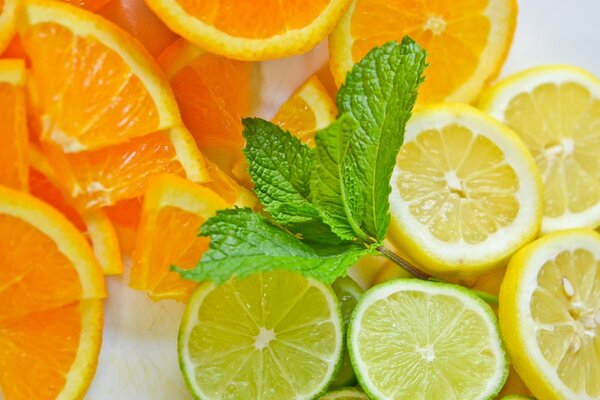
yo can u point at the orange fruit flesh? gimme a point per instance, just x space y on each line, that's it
137 19
91 5
125 216
92 99
13 137
452 32
103 177
255 19
36 276
213 94
296 116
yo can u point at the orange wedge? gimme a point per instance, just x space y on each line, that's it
213 94
467 40
173 211
104 176
309 109
13 125
95 85
7 22
251 30
125 216
50 302
91 5
93 223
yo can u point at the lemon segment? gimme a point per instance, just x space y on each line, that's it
268 336
412 339
466 193
556 111
550 315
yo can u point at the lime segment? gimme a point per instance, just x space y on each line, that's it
269 336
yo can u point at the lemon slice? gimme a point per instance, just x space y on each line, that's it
412 339
348 393
466 193
556 111
274 335
550 315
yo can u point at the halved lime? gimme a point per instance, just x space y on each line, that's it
411 339
348 393
348 292
272 335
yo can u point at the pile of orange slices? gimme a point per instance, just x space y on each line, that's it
118 138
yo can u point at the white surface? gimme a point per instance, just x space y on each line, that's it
139 355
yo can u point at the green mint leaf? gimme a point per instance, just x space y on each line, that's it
244 242
380 93
335 190
280 167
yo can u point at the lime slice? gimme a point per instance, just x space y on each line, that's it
411 339
273 335
517 397
348 292
348 393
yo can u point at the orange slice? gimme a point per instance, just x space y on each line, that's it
125 216
93 223
95 84
7 22
467 40
173 211
13 128
104 176
251 30
91 5
50 302
309 109
213 94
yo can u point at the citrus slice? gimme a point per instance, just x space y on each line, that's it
173 211
348 293
7 22
252 31
213 94
550 315
309 109
13 130
413 339
348 393
272 335
467 40
96 85
93 223
517 397
104 176
466 193
50 302
555 110
125 216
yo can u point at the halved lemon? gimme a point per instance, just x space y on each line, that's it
550 315
556 111
466 193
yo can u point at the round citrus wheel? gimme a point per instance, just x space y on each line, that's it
467 40
51 291
251 30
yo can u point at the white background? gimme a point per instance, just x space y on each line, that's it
139 353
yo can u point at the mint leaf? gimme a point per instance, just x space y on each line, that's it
335 190
380 93
244 242
280 167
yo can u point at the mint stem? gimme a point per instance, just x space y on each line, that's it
403 263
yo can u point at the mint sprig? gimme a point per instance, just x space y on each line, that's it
326 207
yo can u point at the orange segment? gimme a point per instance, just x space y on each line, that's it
213 94
173 211
251 30
13 128
95 84
50 307
7 22
91 5
93 223
467 40
104 176
125 216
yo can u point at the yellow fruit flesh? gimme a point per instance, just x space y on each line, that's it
566 309
559 124
458 184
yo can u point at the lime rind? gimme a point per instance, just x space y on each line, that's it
345 393
190 320
467 296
